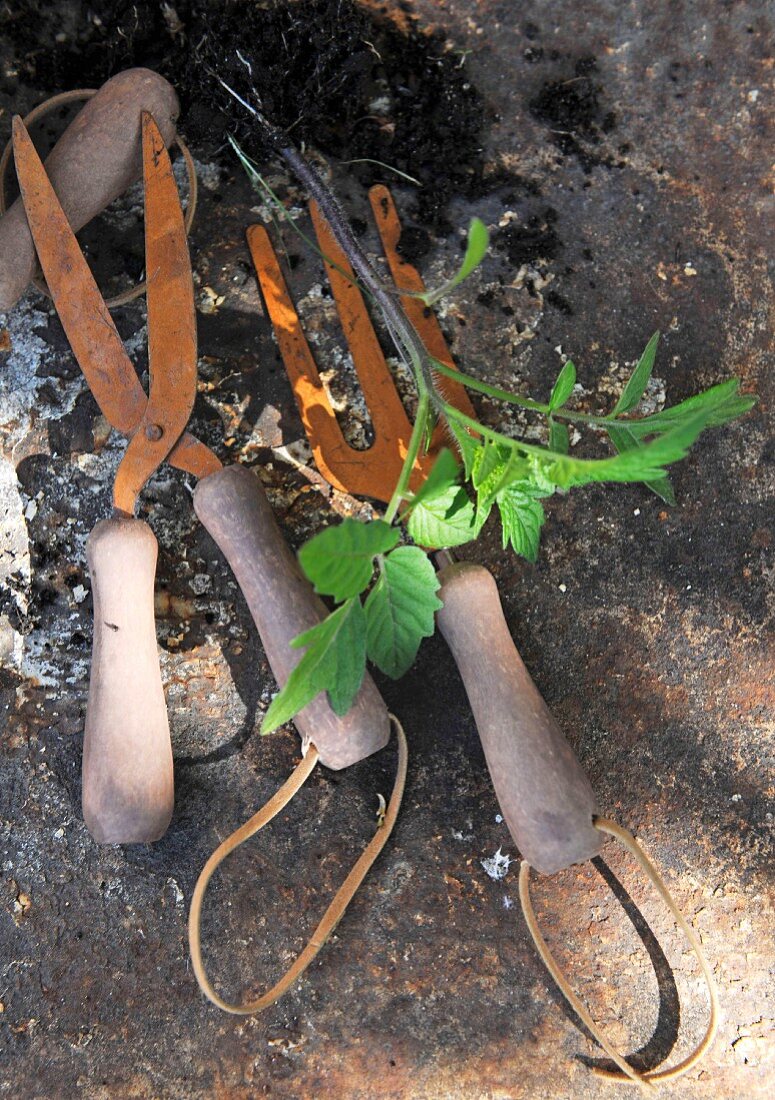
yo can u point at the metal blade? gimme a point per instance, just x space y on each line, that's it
93 337
83 313
171 324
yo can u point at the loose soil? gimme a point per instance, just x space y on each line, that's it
349 78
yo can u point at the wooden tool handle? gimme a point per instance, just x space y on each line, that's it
233 507
546 799
94 161
128 789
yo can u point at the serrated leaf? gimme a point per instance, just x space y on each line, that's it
445 472
400 610
467 445
522 517
624 440
446 520
489 460
335 661
719 404
639 378
559 440
645 463
514 467
340 560
563 387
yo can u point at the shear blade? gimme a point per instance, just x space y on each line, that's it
171 325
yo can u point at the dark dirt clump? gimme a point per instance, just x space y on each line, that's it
573 111
350 79
536 240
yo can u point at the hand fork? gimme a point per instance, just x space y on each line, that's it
546 798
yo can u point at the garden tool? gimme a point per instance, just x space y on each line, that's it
127 768
94 161
546 798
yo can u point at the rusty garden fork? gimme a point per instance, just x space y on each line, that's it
373 472
546 798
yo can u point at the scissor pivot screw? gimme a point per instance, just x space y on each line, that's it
154 432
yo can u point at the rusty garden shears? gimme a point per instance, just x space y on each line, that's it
128 790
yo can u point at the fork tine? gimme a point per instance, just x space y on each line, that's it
345 468
388 417
424 320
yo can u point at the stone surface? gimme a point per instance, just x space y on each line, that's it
631 147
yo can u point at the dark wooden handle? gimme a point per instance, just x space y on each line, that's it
95 160
233 507
546 799
128 789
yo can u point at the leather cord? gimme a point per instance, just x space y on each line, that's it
628 1075
336 908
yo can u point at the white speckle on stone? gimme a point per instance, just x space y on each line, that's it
736 798
563 587
497 866
201 583
79 593
498 819
636 512
507 902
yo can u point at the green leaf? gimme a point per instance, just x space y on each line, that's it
559 439
522 516
400 610
624 440
488 461
719 405
496 467
340 560
335 661
446 520
431 419
636 386
476 250
563 387
645 463
468 446
444 473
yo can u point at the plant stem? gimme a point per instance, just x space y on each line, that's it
497 437
491 391
400 327
400 491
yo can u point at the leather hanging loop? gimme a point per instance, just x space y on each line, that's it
627 1074
336 908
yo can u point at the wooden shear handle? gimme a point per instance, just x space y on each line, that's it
233 507
127 756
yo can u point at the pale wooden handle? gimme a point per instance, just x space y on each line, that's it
95 160
233 507
128 791
546 799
